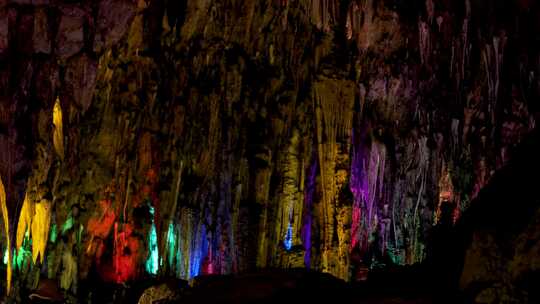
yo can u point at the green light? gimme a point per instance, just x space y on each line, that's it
54 234
6 257
22 256
152 264
68 224
171 242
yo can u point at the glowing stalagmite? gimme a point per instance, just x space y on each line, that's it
334 101
40 229
25 221
5 216
171 244
58 135
34 218
152 263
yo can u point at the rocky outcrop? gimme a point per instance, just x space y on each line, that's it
501 257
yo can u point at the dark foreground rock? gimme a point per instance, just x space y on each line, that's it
501 234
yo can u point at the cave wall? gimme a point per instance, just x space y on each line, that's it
199 137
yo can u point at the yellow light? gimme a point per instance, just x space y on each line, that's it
40 229
58 135
3 205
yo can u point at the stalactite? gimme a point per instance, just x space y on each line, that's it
460 54
324 13
367 181
492 57
354 20
430 9
58 135
424 42
5 217
360 23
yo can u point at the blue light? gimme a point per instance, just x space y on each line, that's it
288 238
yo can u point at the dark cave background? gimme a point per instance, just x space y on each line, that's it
266 150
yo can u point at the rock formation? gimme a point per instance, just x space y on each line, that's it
177 138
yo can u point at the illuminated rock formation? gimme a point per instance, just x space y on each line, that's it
151 139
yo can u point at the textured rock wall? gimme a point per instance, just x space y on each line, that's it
219 136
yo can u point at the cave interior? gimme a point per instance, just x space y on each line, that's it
267 151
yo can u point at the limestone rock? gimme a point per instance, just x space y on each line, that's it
25 28
42 42
70 35
4 31
80 80
114 19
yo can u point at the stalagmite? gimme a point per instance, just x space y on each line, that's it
25 221
334 101
34 223
58 135
5 216
152 263
40 229
171 245
68 278
288 225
